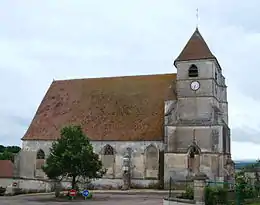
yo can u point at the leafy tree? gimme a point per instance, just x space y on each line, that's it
255 169
2 148
7 156
72 155
7 153
13 149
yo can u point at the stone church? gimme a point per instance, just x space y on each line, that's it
171 125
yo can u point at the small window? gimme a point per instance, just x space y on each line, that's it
216 76
193 71
108 150
40 154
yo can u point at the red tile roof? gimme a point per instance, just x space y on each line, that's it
6 168
195 49
116 108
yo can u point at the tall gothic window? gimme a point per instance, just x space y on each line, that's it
193 71
108 160
40 160
151 162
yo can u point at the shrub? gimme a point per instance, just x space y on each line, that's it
2 191
216 195
188 194
244 189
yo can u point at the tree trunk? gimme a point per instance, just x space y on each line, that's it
73 184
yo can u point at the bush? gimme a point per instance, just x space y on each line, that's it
244 189
216 195
188 194
2 191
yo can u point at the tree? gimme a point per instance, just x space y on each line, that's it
255 169
7 156
8 153
2 148
72 155
13 149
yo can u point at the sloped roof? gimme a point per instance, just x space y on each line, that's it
116 108
195 49
6 168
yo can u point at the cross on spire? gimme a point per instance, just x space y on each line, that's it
194 137
197 18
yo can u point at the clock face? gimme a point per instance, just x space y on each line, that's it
195 85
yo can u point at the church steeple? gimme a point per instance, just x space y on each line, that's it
195 49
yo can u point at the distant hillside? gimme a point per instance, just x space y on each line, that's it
239 164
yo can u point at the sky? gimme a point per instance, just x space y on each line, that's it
45 40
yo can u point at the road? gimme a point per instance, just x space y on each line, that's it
99 199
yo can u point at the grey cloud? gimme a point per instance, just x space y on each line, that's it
13 128
20 120
244 134
10 140
72 39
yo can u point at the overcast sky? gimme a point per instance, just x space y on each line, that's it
60 39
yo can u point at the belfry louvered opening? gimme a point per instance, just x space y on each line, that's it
193 71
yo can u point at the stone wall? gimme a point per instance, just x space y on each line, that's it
118 183
176 166
144 160
27 185
43 185
33 185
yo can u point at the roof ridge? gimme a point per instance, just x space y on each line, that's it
113 77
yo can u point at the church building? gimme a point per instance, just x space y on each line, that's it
171 125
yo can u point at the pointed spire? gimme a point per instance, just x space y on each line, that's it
195 49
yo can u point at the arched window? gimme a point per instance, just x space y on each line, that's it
152 158
193 159
193 71
108 150
40 154
108 160
40 160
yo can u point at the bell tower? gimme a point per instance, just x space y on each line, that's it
201 108
199 83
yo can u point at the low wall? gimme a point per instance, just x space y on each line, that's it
31 185
27 185
118 183
176 201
